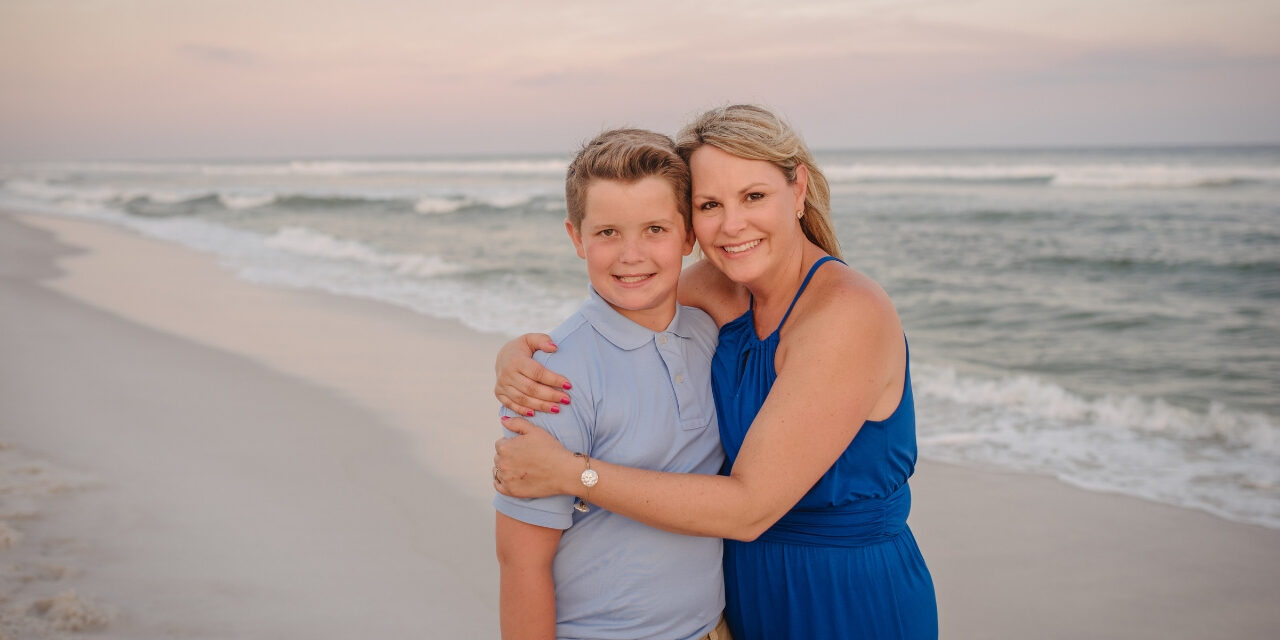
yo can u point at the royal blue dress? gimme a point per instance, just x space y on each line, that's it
842 563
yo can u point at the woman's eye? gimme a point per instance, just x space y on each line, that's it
707 206
751 197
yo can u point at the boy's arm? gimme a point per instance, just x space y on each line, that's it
527 595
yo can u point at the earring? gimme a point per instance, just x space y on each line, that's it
799 214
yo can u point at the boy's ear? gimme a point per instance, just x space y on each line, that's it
689 239
576 237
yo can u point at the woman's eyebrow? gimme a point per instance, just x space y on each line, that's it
741 191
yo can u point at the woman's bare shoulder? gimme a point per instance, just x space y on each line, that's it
704 286
843 298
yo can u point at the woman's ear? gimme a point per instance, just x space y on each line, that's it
800 185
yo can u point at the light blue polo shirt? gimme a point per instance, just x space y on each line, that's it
642 399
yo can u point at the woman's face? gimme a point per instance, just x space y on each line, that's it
744 213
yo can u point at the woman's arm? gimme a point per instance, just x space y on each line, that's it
815 408
527 592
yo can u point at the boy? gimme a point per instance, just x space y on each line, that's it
642 397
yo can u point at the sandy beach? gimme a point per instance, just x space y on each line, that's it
187 455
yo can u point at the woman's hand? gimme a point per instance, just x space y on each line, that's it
532 464
524 386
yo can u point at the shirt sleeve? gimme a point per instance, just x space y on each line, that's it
571 427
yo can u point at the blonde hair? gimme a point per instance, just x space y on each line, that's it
755 133
626 155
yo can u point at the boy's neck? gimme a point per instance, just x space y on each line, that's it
656 320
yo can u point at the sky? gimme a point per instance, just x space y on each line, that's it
152 79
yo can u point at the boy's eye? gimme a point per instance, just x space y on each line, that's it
608 233
656 229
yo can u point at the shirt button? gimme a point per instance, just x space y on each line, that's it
662 339
679 378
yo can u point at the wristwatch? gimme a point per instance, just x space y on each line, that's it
589 479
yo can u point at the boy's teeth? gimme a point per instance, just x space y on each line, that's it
631 279
739 248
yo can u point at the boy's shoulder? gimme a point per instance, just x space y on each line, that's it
694 323
571 337
698 321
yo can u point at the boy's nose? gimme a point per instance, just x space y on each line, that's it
631 251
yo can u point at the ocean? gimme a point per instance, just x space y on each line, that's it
1109 317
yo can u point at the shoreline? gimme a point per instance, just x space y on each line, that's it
1012 554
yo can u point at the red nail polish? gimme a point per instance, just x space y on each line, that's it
567 386
564 400
555 409
553 345
506 418
529 413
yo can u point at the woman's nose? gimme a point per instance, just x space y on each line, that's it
734 221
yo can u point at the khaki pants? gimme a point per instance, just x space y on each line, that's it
721 632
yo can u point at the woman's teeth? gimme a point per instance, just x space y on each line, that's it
739 248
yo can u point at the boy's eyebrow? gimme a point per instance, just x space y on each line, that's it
741 191
659 221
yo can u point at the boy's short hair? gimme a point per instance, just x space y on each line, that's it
626 155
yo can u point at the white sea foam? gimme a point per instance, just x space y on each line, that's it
1046 401
168 196
306 242
540 167
508 201
1120 176
241 201
921 172
438 205
44 191
435 205
1126 444
1115 175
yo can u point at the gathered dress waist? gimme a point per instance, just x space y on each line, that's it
857 524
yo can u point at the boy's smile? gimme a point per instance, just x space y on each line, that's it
633 238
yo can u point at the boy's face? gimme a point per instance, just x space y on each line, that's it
633 239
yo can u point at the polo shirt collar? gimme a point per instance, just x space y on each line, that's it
621 330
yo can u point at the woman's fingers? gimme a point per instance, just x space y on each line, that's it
556 383
521 391
537 381
539 342
510 403
523 464
523 385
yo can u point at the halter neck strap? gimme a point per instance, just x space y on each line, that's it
803 285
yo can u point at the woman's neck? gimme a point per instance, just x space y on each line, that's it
774 291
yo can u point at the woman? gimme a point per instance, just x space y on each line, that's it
812 386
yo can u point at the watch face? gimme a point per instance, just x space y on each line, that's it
590 477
